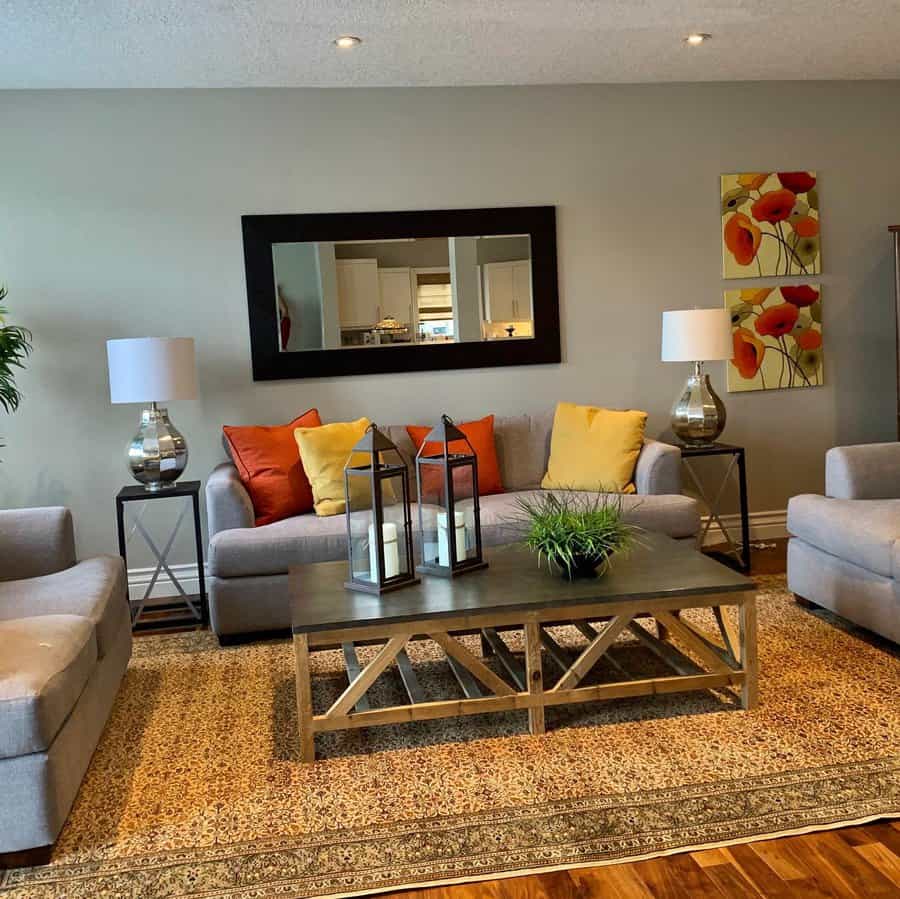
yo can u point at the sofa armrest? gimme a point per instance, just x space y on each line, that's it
35 542
658 469
865 471
228 505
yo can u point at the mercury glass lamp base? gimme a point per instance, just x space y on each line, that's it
158 454
698 416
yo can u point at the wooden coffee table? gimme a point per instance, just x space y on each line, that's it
653 584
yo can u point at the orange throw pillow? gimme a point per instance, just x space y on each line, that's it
269 466
481 436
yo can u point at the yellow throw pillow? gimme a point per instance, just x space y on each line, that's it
594 449
324 452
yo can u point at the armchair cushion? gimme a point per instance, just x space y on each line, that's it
93 589
863 532
35 542
45 665
865 471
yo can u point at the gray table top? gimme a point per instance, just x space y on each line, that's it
659 567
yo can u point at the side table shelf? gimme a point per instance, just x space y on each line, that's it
187 609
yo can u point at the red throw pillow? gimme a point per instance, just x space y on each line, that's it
269 466
481 436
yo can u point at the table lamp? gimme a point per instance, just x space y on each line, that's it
698 336
153 370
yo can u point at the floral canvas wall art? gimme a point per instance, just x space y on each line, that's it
770 224
777 337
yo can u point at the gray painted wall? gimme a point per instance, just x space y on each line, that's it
120 216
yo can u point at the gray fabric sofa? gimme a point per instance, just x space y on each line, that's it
247 565
65 642
844 551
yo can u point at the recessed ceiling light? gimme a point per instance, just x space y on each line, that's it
347 41
697 38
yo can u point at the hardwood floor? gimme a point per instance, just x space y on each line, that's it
849 863
853 862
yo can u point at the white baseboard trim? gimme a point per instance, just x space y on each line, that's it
763 526
139 579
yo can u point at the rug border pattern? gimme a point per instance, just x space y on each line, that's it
499 843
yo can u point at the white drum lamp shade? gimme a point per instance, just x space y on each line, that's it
696 335
151 369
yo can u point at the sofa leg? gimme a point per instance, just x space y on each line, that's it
231 639
26 858
803 602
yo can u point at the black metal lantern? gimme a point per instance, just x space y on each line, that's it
449 511
379 521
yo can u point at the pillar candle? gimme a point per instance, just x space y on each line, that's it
391 551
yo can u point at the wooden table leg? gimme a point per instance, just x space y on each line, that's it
662 632
749 657
534 676
304 699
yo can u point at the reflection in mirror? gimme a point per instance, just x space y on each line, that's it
332 295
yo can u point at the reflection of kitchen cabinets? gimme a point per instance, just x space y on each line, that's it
395 288
507 290
358 292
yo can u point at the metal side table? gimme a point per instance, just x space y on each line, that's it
188 609
737 555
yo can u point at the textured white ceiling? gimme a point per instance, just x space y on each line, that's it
248 43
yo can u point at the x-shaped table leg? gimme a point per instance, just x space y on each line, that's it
714 507
161 563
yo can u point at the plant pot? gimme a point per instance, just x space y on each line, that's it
582 567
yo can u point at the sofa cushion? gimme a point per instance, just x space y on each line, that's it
268 462
480 436
273 548
594 448
523 448
93 589
325 452
675 516
861 531
45 664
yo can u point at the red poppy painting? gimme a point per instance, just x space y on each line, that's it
777 337
770 224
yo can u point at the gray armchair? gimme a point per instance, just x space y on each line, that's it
65 642
844 551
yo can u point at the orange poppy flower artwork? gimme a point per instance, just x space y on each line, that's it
770 225
777 337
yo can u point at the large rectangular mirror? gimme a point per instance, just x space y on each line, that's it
341 293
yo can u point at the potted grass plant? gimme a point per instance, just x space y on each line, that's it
15 347
576 534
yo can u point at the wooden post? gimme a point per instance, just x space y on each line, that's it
535 676
749 657
304 699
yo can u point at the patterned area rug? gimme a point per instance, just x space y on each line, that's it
195 789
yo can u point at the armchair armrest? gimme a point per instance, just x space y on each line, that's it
658 469
228 505
35 542
864 471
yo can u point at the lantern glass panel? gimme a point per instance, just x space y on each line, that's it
439 526
389 490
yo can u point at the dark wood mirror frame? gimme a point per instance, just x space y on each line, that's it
262 231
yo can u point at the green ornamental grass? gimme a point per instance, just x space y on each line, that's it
574 533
